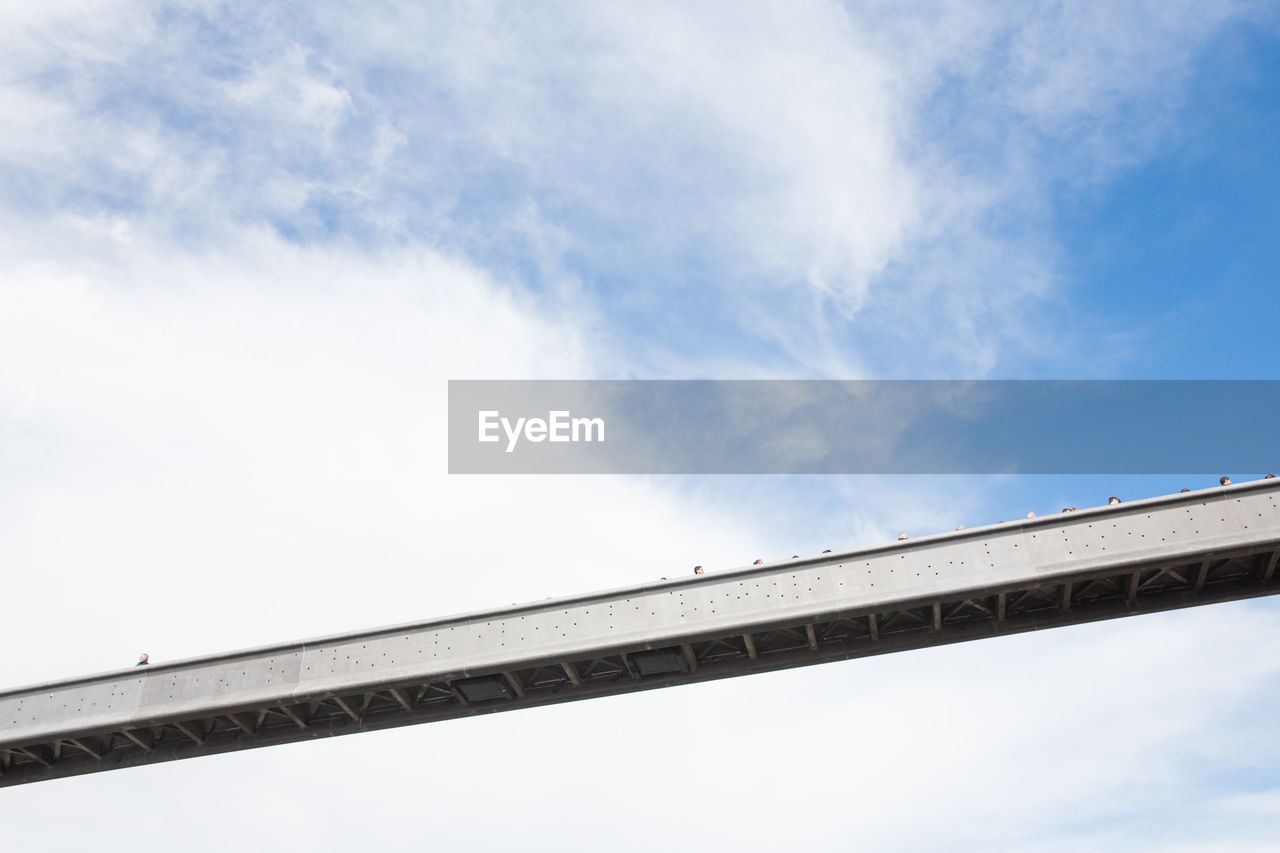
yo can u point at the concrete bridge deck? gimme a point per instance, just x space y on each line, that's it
1202 547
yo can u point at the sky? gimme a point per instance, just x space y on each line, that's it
243 248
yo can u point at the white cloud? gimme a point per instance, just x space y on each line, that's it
287 90
212 436
831 168
274 416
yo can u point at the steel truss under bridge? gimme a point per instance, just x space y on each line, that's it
1202 547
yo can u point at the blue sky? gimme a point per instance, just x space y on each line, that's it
243 247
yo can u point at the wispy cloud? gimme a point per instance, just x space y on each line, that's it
243 247
830 174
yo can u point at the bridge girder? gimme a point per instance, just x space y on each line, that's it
1147 556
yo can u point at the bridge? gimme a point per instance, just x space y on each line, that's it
1161 553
